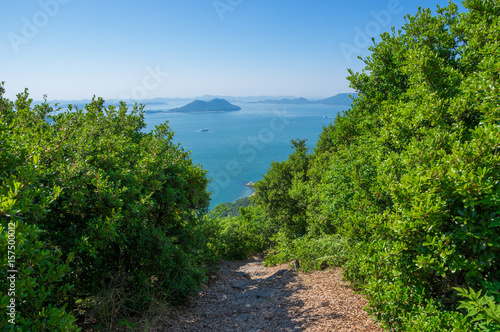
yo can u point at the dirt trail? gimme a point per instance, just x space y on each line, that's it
249 297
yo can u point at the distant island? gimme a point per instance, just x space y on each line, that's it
200 106
296 101
340 99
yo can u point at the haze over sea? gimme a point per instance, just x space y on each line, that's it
240 146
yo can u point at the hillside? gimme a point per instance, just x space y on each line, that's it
407 179
107 226
401 190
340 99
297 101
200 106
230 209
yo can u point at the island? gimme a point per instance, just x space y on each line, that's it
200 106
339 99
297 101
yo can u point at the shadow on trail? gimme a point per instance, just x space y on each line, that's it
247 297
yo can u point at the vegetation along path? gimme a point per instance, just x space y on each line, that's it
246 296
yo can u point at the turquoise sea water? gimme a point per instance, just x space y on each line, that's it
240 146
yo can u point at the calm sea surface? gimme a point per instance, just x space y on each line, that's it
240 146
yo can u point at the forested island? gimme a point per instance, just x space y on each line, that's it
200 106
107 223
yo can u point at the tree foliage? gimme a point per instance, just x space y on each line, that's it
110 203
409 176
38 291
402 190
230 209
278 194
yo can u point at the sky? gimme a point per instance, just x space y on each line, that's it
74 49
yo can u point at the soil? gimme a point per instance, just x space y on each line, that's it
246 296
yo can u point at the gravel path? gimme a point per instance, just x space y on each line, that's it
249 297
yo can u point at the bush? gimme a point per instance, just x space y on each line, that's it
313 253
38 286
408 176
239 237
230 209
113 202
484 309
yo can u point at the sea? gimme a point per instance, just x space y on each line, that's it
238 147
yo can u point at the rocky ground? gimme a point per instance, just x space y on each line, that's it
246 296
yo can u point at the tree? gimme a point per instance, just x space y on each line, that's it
118 207
33 297
279 191
409 175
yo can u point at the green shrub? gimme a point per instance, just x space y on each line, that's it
38 285
239 237
313 253
409 176
39 290
484 309
279 192
230 209
121 205
234 239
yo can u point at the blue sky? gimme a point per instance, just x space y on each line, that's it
74 49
